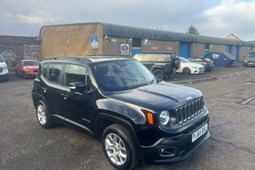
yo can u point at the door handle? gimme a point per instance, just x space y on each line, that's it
65 96
44 89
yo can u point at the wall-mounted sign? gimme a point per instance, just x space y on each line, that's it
215 55
94 41
154 48
124 49
169 48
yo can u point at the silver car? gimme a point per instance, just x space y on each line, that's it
249 59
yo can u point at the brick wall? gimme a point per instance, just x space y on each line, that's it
217 48
23 47
197 49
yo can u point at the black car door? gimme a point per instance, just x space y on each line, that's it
52 88
79 106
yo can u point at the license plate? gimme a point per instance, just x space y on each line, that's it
199 132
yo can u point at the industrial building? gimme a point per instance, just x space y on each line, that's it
108 39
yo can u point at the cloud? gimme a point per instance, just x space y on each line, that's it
6 17
211 17
37 18
230 16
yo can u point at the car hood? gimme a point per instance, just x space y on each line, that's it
3 64
160 96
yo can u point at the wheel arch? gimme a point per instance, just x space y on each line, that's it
103 120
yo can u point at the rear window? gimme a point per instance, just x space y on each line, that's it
30 63
52 72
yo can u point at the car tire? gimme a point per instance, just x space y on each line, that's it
7 77
186 71
43 116
16 72
159 74
118 147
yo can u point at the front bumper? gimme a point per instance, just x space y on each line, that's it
209 67
176 148
4 74
251 63
31 74
197 71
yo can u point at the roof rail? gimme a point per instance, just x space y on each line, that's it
67 58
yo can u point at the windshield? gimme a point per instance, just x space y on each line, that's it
184 60
31 63
1 58
122 75
251 53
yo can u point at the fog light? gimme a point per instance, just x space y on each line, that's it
168 152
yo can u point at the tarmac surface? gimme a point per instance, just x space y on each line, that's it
229 94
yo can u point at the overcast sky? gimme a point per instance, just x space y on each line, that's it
211 17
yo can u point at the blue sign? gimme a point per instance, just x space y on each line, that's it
94 41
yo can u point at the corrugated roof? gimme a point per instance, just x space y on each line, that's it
155 34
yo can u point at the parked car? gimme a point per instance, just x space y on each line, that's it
206 62
4 73
120 103
161 65
27 68
188 67
249 59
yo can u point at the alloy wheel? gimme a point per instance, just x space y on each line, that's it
115 149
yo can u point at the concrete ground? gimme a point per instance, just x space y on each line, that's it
229 98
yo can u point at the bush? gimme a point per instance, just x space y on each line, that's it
10 58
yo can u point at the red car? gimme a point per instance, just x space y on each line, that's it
27 68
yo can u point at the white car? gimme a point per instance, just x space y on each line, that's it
4 73
188 67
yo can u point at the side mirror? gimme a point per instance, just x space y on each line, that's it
77 87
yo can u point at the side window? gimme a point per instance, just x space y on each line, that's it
74 73
54 74
44 70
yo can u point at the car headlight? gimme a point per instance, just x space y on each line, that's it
5 67
164 117
194 67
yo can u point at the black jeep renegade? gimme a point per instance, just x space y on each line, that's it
120 103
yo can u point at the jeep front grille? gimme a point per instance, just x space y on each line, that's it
189 110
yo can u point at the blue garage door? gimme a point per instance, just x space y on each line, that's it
236 53
184 49
229 48
136 50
